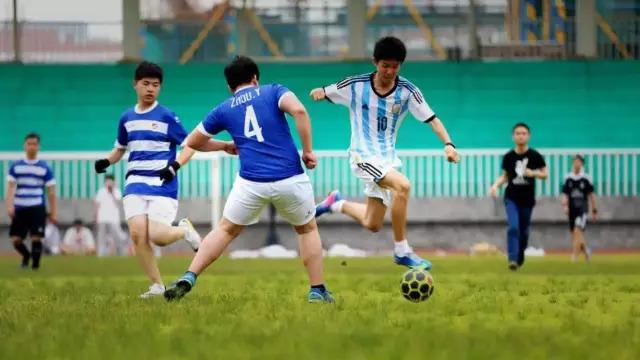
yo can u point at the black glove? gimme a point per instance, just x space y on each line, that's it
167 174
101 165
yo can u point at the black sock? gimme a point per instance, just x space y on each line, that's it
36 251
319 287
22 249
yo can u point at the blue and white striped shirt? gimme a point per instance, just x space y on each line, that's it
31 177
376 118
151 137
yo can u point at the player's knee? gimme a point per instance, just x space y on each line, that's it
306 228
230 228
373 226
137 236
403 188
16 240
513 230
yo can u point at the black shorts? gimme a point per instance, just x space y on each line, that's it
577 218
30 220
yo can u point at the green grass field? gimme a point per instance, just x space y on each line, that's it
86 308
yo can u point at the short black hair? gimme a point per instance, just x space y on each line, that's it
147 69
109 177
32 135
520 124
77 221
389 48
240 71
579 157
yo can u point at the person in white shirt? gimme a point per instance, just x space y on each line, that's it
51 240
107 205
78 240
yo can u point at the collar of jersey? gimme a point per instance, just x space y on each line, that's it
395 85
155 103
242 88
577 176
31 162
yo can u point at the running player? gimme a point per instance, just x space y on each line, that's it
150 133
378 102
521 167
26 205
270 171
576 198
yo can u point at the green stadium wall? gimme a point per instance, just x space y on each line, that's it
567 104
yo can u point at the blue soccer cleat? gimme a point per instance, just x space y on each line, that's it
412 261
325 206
317 296
181 287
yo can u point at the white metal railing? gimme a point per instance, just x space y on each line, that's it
614 173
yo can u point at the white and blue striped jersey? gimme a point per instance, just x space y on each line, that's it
376 118
151 138
31 177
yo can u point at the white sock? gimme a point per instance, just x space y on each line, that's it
337 206
402 248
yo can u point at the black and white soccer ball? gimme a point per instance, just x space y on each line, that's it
416 285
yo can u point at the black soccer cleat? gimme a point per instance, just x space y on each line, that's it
177 290
513 266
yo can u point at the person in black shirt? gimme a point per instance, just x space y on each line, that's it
520 168
577 195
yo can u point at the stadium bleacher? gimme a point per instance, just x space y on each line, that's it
478 101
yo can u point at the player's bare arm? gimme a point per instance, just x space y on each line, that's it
53 205
11 192
290 104
200 142
501 180
541 174
449 149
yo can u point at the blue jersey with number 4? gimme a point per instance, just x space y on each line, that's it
260 131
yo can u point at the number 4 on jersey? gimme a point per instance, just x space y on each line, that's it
251 127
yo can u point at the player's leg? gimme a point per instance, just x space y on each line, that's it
17 232
575 241
138 226
161 212
513 233
581 224
211 248
525 224
37 222
400 187
243 207
294 202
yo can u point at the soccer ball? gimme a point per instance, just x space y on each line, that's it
416 285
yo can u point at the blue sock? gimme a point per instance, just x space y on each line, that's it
191 277
320 287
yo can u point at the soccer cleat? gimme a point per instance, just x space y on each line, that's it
154 290
178 290
317 296
513 266
412 261
190 235
325 206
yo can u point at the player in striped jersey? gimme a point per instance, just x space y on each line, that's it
378 102
26 205
150 133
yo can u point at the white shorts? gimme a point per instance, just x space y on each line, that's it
157 208
292 198
371 171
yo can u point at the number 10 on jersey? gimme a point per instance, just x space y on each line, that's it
251 126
